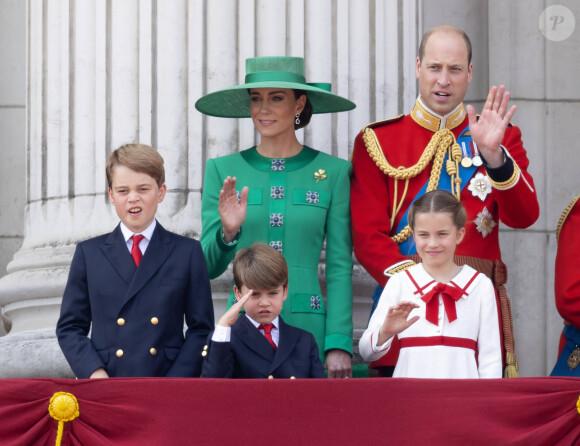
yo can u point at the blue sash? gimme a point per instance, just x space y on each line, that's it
572 334
408 246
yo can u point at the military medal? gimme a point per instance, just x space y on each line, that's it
574 358
466 160
477 161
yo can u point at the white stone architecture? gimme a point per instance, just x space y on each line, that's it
79 78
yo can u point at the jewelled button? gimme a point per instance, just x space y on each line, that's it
277 192
276 220
315 302
312 197
278 165
277 245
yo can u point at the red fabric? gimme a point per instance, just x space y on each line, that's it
268 333
449 341
449 294
172 411
567 273
373 192
136 250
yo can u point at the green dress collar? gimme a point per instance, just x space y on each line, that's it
259 162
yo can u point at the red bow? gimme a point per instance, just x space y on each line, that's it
450 294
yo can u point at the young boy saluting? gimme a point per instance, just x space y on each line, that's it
259 344
133 287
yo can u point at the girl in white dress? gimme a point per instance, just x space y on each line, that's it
445 315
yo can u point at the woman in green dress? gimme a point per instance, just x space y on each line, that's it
287 195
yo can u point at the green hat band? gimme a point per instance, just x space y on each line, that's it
267 76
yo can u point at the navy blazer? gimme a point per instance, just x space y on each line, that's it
136 314
250 355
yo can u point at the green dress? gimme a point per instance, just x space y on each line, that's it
293 204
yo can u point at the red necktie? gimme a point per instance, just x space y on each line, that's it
450 295
135 250
268 333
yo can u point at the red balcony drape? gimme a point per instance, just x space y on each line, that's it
153 411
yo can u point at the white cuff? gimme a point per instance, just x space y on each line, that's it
221 334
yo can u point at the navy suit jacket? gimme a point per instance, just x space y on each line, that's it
250 355
135 314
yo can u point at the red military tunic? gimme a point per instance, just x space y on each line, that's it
512 198
567 277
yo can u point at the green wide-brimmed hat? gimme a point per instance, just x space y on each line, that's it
271 72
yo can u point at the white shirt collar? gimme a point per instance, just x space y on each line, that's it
257 324
147 233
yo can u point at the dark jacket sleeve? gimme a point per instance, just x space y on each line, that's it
219 360
74 323
199 318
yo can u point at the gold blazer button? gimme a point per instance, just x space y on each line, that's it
121 321
154 320
120 353
153 351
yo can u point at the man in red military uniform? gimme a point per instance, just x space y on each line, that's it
439 145
567 290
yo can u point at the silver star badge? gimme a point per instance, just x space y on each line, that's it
484 222
480 186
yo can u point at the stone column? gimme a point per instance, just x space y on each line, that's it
104 73
12 131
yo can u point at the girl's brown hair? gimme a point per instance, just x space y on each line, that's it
438 201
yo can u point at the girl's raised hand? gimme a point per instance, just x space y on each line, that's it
231 209
396 321
229 318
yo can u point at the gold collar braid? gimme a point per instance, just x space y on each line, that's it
442 142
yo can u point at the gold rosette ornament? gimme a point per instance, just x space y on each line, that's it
63 407
578 405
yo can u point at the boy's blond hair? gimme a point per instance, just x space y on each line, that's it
138 157
260 267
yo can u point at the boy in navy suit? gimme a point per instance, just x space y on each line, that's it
133 287
259 344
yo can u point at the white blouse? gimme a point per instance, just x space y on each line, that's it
477 320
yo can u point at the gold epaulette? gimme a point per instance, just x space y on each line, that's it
400 267
565 214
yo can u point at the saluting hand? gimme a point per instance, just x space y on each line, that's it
229 318
232 211
488 131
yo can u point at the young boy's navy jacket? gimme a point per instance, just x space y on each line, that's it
136 314
249 354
